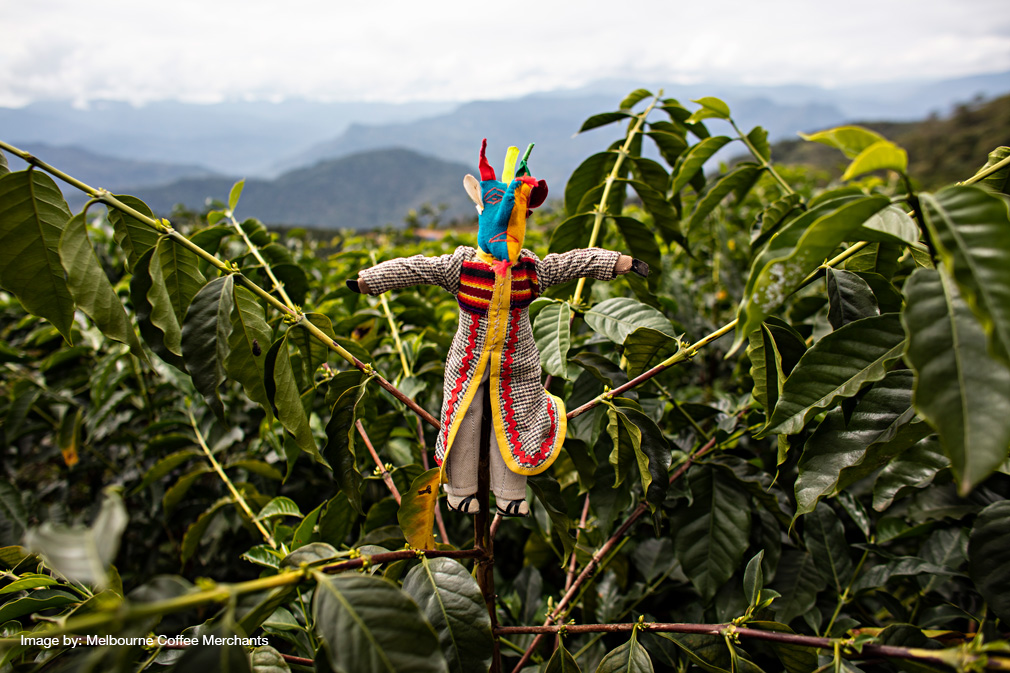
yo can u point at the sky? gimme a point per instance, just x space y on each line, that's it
396 51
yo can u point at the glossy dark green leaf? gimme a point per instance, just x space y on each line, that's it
26 605
989 557
140 284
552 333
652 456
850 298
33 215
215 653
890 225
248 343
605 370
266 659
739 178
655 203
451 601
282 390
314 352
547 491
766 368
91 289
914 468
881 258
134 236
195 533
837 366
851 140
825 539
842 441
369 626
799 248
775 215
205 336
618 317
630 657
339 449
877 576
798 581
641 243
562 661
1000 180
644 347
795 658
753 579
960 389
634 98
693 161
712 533
971 229
572 233
590 173
670 145
175 280
603 119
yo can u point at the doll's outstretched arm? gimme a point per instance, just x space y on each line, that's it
586 263
406 271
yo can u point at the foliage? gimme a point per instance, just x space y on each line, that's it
837 470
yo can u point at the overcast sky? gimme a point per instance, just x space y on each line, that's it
394 50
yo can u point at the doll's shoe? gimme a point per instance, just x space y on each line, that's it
513 508
467 504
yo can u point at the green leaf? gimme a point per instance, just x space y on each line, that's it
739 180
915 468
562 661
248 342
306 529
282 390
174 494
194 534
799 248
91 289
572 233
652 455
693 161
313 553
27 605
851 140
775 215
879 156
552 333
369 626
630 657
835 367
266 659
314 352
453 604
588 175
989 557
643 346
547 491
634 98
235 194
998 181
28 582
279 506
656 204
175 280
263 555
140 284
215 654
890 225
713 532
339 447
134 236
416 514
825 539
83 555
753 579
205 335
960 390
618 317
971 230
670 145
641 242
842 441
795 658
166 465
758 138
850 298
603 119
710 108
4 167
766 367
798 581
33 214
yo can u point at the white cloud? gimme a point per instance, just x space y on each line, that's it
207 50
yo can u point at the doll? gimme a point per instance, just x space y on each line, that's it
492 375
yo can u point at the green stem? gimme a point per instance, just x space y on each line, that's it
843 598
392 326
765 163
254 249
614 173
986 172
239 500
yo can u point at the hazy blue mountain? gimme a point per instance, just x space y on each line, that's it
359 191
236 137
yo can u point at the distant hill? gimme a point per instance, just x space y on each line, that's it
941 150
361 191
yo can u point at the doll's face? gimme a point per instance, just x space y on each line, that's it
503 208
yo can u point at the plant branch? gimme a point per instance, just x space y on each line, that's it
254 249
239 500
386 477
765 163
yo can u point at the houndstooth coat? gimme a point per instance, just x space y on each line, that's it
494 331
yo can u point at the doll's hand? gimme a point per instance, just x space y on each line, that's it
357 285
626 263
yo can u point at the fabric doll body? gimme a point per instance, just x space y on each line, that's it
494 341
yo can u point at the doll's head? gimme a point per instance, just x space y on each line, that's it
504 204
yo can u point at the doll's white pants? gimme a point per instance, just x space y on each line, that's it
461 467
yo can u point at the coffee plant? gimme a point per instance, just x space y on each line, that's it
787 447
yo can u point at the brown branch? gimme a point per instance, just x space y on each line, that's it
386 476
484 567
601 553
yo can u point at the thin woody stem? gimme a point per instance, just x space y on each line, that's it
254 249
386 476
166 229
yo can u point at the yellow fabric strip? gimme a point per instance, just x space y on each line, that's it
509 172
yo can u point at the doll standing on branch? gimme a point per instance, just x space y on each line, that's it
493 377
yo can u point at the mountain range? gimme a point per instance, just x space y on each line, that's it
173 152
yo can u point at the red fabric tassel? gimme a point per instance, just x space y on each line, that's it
501 266
486 172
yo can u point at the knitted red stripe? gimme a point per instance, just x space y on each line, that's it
460 380
548 442
506 384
